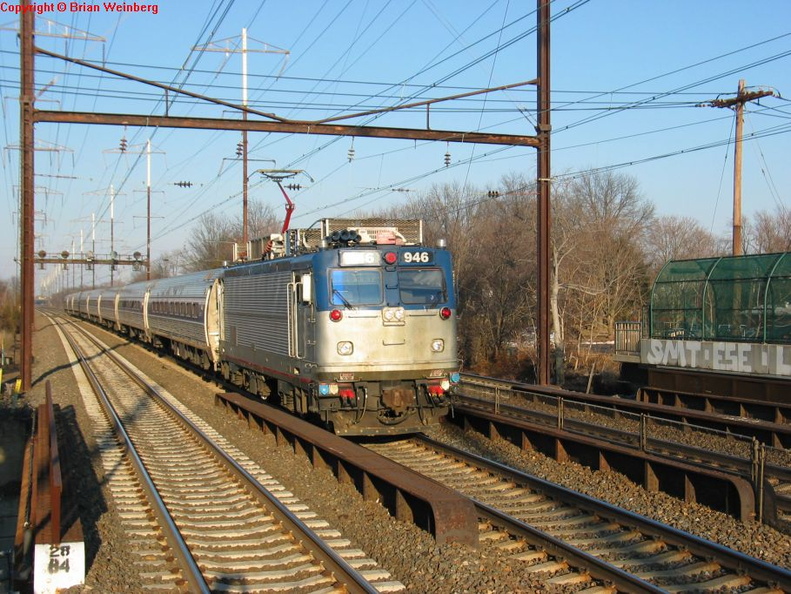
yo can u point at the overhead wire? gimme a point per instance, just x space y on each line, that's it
467 66
690 85
767 174
646 105
214 19
332 141
483 107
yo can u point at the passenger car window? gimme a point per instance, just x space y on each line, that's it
356 287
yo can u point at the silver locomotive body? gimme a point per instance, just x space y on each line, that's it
360 334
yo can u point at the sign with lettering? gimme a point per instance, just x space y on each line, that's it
58 566
739 357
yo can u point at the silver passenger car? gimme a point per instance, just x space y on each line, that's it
132 302
182 313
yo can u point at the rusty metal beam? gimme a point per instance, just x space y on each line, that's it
94 261
27 206
117 119
447 514
543 252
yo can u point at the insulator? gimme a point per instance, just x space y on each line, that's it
123 144
239 149
350 154
447 159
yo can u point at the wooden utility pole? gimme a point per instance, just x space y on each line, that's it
737 104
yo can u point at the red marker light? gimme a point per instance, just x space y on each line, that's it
391 257
346 393
336 315
444 313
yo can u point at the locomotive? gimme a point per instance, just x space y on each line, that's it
353 323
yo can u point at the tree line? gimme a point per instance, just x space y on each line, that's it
607 242
607 245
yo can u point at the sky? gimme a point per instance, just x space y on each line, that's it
630 82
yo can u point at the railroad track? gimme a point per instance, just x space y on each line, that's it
199 514
534 516
764 410
771 428
634 425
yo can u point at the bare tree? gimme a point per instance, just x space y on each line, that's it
211 243
10 304
771 231
498 285
677 238
261 220
167 265
599 272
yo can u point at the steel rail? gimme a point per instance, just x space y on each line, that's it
741 466
190 570
344 573
773 433
734 560
623 580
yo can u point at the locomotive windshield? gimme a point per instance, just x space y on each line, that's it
422 286
356 287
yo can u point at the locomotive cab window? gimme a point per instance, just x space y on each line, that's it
422 286
356 287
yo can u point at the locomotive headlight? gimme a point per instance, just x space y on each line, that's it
345 347
393 315
437 345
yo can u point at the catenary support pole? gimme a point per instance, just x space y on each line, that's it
543 251
27 207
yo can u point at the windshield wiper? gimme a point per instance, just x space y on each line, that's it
345 301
